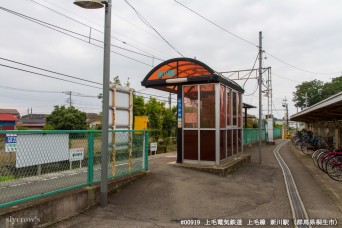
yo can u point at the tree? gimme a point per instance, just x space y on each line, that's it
169 121
154 111
117 81
139 108
70 118
332 88
310 89
316 91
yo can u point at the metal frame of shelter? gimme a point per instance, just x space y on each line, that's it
209 129
324 118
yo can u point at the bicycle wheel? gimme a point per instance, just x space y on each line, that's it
334 168
298 144
316 154
307 148
321 159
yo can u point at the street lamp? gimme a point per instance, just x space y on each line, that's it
96 4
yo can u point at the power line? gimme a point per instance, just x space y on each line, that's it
285 78
150 26
91 27
45 91
213 23
50 71
29 90
48 76
154 95
298 68
250 71
256 88
67 31
247 41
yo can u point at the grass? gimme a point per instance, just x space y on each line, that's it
6 178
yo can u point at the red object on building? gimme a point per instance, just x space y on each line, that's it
8 118
7 122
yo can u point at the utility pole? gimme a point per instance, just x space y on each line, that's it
69 93
285 105
306 99
260 86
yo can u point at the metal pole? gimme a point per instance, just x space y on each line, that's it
105 104
260 85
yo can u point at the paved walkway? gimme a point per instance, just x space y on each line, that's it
171 194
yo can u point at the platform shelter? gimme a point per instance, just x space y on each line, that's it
209 116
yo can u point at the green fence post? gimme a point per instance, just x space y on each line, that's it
146 150
90 158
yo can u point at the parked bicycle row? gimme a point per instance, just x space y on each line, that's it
324 155
329 162
308 142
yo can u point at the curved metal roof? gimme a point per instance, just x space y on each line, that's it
184 71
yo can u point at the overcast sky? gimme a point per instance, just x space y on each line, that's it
306 34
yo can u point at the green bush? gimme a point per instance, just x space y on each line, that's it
6 178
48 127
22 128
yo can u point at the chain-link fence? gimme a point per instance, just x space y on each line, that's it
251 135
34 164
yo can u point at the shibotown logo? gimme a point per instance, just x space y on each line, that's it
168 73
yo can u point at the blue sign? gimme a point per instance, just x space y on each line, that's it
11 143
11 139
168 73
179 108
179 112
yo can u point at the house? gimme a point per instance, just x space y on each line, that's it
7 122
249 119
32 121
93 120
13 112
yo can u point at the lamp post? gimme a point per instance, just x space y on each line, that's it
96 4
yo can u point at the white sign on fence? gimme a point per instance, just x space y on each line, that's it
11 143
153 147
76 154
37 149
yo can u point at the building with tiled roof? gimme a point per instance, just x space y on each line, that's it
13 112
7 122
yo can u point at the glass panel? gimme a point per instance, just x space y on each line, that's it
229 143
190 144
222 144
190 106
207 102
240 140
229 107
239 109
222 107
234 109
235 139
207 145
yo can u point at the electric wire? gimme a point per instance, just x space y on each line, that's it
150 26
29 90
256 88
285 78
166 96
64 31
247 41
299 68
48 76
250 71
50 71
213 23
97 30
